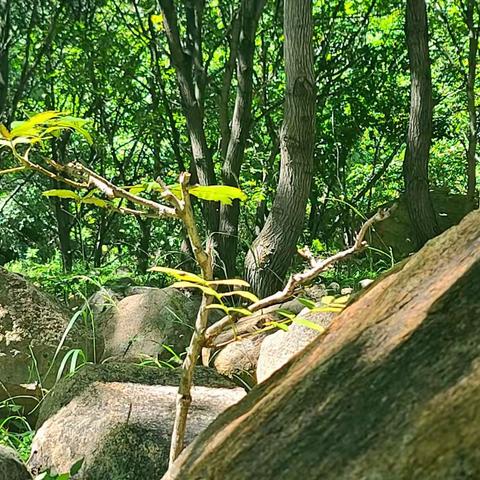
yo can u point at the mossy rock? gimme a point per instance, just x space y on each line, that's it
70 387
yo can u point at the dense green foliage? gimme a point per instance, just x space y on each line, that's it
108 61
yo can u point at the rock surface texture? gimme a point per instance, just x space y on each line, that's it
392 391
277 349
11 467
139 324
31 326
122 429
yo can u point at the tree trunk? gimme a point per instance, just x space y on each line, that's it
229 214
187 69
270 256
472 108
391 391
4 60
415 167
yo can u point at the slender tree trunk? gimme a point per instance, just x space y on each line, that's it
190 84
472 108
4 60
415 167
271 253
145 225
229 214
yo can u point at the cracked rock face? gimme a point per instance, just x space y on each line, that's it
11 467
31 327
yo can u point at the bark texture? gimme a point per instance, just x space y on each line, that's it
392 390
228 239
270 255
415 168
4 64
473 32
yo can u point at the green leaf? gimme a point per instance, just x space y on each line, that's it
63 194
180 275
309 324
95 201
281 326
242 293
75 468
218 306
307 303
242 311
236 282
206 290
217 193
285 313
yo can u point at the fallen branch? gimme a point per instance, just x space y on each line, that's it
298 279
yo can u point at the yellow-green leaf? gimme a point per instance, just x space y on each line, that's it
242 293
217 193
4 131
243 311
180 275
235 282
307 323
95 201
63 194
203 288
218 306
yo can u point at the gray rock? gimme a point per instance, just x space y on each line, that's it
277 349
365 282
11 467
31 327
122 430
240 358
140 324
346 291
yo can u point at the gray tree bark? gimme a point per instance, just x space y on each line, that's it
4 60
229 214
271 253
473 32
415 167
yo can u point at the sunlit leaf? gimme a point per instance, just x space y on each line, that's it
218 306
242 293
281 326
307 323
236 282
206 290
180 275
307 303
98 202
63 194
217 193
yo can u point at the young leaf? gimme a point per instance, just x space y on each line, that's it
307 303
218 306
286 313
63 194
242 311
242 293
281 326
98 202
75 468
180 275
203 288
235 282
309 324
217 193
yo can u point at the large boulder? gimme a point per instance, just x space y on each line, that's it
11 467
31 327
140 324
119 418
395 234
277 349
391 391
240 358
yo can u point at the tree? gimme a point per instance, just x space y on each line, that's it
415 168
473 34
270 255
